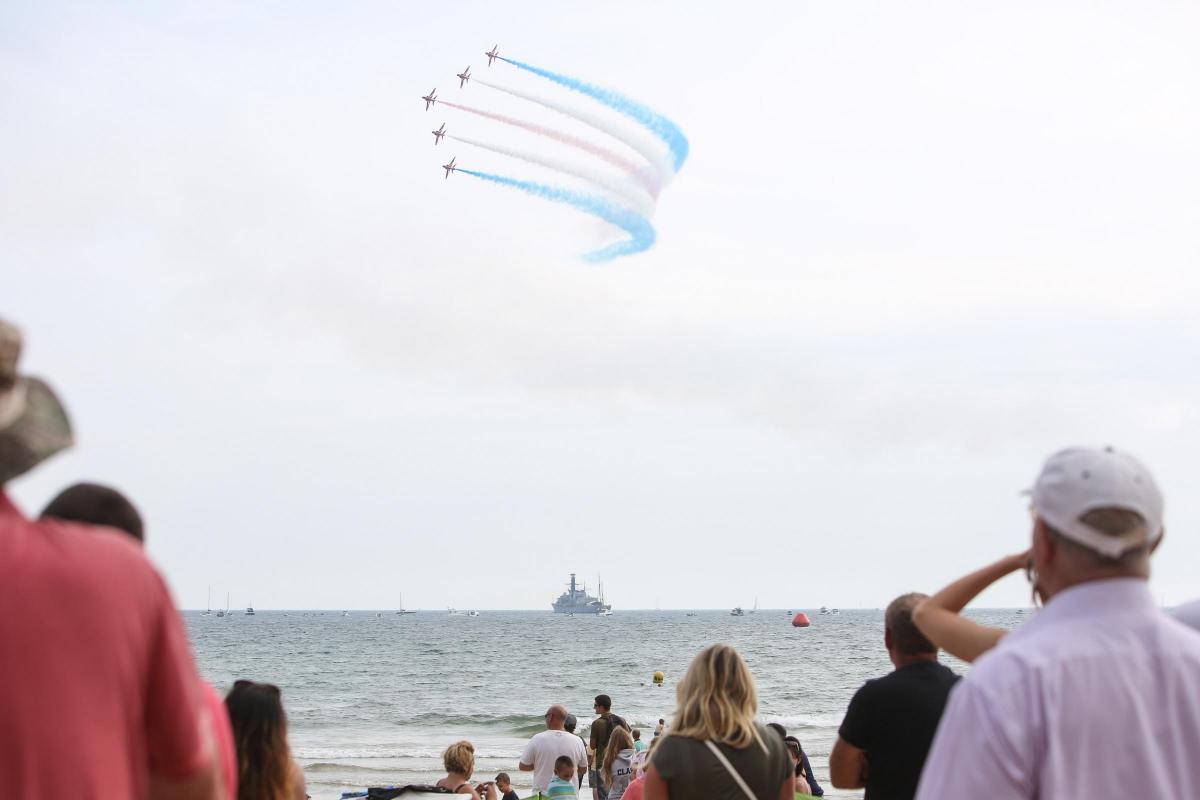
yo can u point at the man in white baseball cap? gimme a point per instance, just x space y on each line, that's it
1099 694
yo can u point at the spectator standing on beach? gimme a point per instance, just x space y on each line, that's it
569 726
638 744
266 769
546 747
717 750
658 729
803 768
459 761
637 786
504 787
562 785
887 730
602 728
940 620
105 507
797 754
120 715
1099 694
617 768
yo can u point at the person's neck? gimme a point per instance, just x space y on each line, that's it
903 660
1071 581
457 779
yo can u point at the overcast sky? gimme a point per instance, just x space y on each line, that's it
917 247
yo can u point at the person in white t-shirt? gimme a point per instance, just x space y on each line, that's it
545 748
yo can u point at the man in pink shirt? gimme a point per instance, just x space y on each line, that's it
1099 694
104 507
98 694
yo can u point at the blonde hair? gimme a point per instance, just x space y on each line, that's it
618 740
459 758
718 699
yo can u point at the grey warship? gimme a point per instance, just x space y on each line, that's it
576 600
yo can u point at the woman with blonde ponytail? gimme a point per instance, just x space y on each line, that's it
716 749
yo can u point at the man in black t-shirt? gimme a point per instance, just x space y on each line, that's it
889 726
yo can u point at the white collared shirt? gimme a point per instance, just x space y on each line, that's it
1096 696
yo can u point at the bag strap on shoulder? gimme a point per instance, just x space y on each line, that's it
733 773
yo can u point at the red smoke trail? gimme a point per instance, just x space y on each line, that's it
628 166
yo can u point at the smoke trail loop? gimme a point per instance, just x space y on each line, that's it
641 232
559 136
662 127
629 194
662 169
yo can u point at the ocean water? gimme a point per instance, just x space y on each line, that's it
374 697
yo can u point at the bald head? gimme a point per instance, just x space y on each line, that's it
556 715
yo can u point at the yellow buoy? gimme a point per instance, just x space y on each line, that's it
658 678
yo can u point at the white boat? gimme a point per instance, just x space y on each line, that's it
403 610
824 610
472 613
345 613
755 609
224 613
737 612
453 611
691 613
249 611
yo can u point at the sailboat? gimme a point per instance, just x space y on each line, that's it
402 609
249 611
755 609
605 609
208 609
224 613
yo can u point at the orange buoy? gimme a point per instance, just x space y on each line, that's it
800 620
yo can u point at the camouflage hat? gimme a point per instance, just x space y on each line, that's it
33 423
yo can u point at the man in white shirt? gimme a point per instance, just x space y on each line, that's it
545 748
1099 694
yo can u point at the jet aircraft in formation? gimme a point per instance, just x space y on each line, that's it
439 133
430 99
463 77
449 167
493 54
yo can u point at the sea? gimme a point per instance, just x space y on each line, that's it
373 697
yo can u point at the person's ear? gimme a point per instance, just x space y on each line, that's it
1044 546
1158 541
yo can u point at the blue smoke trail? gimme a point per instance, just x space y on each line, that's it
662 127
641 232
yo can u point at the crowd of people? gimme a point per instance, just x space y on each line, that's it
1097 695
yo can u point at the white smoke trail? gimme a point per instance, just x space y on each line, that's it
634 197
663 172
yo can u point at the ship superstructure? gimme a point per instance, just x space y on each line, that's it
576 600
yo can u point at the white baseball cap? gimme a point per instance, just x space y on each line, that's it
1082 479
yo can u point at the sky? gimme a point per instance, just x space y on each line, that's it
916 249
